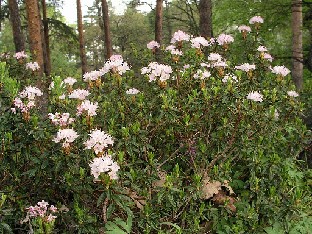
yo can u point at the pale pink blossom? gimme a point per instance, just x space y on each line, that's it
170 47
176 52
20 55
197 42
88 107
156 70
98 141
30 92
104 164
180 36
214 57
92 75
153 45
244 28
61 120
70 81
80 94
255 96
224 39
132 91
262 49
67 136
268 57
292 93
256 19
33 66
280 70
246 67
202 74
228 77
115 64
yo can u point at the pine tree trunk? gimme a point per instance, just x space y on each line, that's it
83 56
205 18
158 26
34 29
297 54
47 60
107 37
18 36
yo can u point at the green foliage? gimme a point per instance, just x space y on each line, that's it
195 155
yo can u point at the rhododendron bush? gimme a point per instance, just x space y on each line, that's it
194 143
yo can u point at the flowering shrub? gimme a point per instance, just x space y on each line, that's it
210 147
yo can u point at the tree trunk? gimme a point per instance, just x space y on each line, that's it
18 36
83 56
47 60
297 54
107 37
205 18
158 26
34 29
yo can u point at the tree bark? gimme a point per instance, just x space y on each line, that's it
18 36
205 18
46 40
83 56
107 37
158 26
34 29
297 53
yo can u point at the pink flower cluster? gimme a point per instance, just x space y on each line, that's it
88 107
61 120
42 210
229 77
115 64
246 67
102 165
70 81
292 93
66 135
280 70
33 66
98 141
244 28
224 39
80 94
202 74
256 19
155 70
255 96
197 42
20 55
29 93
132 91
153 45
180 36
92 76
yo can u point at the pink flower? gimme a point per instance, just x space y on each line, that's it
268 57
292 93
62 120
102 165
280 70
262 49
180 36
132 91
202 74
152 45
30 92
92 76
214 57
80 94
116 65
228 77
33 66
156 70
70 81
246 67
197 42
51 217
67 135
98 141
256 19
87 106
255 96
224 39
20 55
244 28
